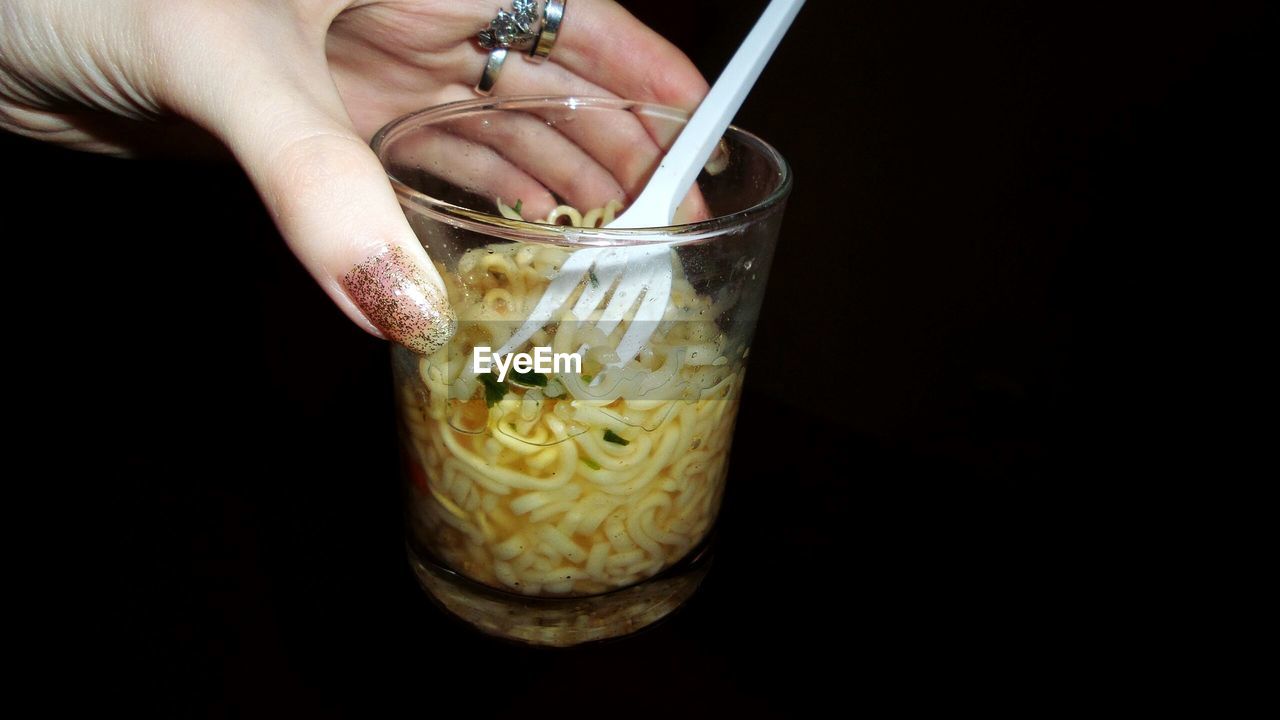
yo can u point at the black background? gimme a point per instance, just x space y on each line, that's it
983 192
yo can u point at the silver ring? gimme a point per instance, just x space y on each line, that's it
552 16
512 29
489 78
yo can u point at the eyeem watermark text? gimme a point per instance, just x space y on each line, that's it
542 360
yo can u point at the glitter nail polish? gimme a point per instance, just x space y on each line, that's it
399 300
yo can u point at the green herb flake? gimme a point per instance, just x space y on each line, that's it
519 204
611 436
595 281
587 378
529 379
494 391
590 463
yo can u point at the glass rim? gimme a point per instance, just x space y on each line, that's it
525 231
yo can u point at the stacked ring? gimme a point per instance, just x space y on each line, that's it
492 67
552 16
514 31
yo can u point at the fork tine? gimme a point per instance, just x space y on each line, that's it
607 269
652 308
557 293
634 279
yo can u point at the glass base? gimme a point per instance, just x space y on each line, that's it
562 622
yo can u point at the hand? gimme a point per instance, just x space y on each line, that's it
295 88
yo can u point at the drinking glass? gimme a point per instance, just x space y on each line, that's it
561 502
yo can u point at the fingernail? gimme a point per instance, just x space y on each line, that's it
398 298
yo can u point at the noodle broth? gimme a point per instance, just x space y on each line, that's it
567 484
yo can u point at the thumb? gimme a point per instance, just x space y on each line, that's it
332 202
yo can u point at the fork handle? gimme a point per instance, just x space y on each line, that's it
657 203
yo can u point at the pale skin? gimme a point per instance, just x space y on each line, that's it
296 88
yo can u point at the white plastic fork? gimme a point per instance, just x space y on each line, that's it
645 270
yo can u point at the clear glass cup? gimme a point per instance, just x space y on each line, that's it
575 504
